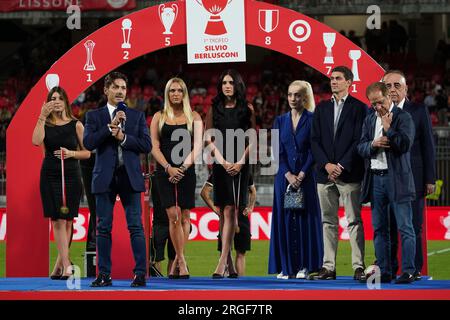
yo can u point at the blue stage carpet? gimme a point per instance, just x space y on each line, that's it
206 283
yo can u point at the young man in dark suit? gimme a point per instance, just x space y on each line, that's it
386 140
422 162
119 136
335 134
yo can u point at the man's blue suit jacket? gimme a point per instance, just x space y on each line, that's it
401 137
97 136
340 148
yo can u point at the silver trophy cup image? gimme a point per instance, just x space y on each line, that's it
51 81
355 55
329 39
167 15
89 45
126 32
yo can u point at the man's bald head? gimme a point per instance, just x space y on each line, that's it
395 81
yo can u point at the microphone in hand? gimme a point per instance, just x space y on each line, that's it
122 106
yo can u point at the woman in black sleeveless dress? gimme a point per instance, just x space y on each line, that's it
175 171
229 110
58 130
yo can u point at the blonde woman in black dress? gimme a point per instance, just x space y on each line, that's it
173 127
57 130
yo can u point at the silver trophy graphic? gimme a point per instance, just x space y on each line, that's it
355 55
51 81
89 45
126 32
328 39
167 15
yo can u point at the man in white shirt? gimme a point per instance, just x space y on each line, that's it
386 140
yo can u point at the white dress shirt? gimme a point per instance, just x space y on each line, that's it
400 105
380 160
338 106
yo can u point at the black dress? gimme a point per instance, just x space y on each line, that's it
223 182
50 182
186 186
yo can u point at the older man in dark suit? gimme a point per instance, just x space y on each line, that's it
119 136
386 140
422 162
336 131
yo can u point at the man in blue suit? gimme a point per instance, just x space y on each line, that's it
119 137
336 131
386 140
422 162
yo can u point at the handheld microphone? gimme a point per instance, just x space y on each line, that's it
122 106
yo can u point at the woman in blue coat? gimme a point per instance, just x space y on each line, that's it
296 243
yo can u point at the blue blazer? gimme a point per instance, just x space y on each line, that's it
401 137
423 154
295 149
98 136
340 148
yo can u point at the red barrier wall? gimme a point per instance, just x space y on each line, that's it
205 224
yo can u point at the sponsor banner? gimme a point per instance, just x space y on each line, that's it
205 224
61 5
215 31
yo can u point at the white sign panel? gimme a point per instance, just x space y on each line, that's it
215 31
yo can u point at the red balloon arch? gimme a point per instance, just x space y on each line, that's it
127 38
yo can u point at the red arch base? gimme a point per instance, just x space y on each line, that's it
28 234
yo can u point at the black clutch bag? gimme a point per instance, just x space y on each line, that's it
294 199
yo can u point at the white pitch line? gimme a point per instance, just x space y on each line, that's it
437 252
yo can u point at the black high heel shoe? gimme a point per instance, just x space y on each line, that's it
220 275
233 275
56 276
176 274
67 276
184 276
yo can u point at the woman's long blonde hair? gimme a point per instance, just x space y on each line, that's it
306 90
167 112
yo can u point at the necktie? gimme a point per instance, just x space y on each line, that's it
337 114
119 148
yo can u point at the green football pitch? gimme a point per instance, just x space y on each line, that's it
202 257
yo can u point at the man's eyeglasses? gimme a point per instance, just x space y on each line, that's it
397 85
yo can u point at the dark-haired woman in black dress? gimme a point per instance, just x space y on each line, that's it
229 111
58 130
175 173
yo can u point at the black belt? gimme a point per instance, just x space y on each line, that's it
379 172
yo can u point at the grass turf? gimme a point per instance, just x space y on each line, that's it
202 257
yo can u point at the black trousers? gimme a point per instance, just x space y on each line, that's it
86 174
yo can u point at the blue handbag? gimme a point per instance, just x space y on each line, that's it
294 199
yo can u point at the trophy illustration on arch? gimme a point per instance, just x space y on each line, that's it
355 55
51 81
126 33
89 66
329 38
167 15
